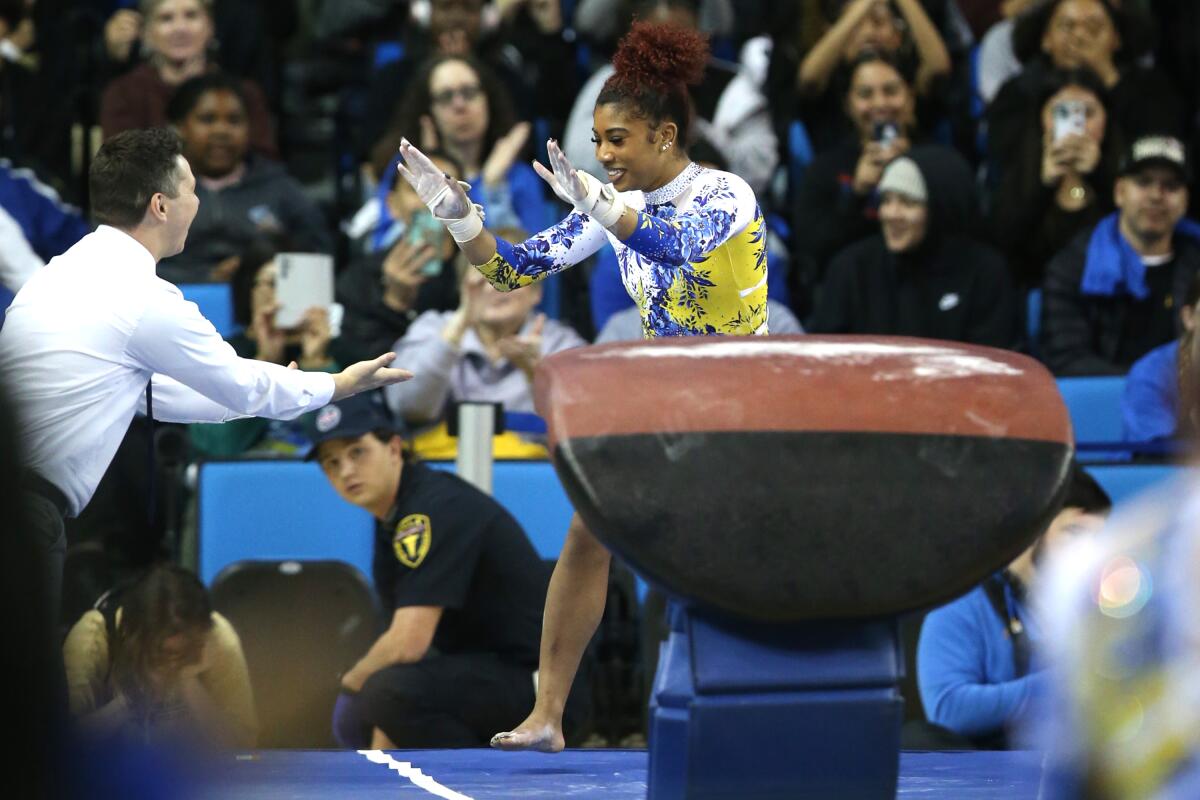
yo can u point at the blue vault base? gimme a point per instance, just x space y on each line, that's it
775 712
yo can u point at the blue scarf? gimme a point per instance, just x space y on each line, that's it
1113 266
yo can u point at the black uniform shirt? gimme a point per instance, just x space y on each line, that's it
448 544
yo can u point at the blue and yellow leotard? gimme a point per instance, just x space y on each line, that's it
696 264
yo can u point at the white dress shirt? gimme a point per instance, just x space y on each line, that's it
85 334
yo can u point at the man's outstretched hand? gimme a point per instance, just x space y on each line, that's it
367 375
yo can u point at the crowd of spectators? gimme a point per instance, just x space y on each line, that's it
1012 173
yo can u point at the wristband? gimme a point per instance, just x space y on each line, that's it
465 229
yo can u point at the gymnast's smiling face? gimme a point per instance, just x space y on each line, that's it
635 154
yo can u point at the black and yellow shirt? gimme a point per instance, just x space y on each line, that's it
448 544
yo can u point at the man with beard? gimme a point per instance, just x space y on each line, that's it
1113 294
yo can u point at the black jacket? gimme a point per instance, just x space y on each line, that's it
1084 334
952 286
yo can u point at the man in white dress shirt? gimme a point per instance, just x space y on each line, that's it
93 328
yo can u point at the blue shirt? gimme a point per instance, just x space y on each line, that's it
965 667
1150 402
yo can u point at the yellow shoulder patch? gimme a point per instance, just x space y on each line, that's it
411 539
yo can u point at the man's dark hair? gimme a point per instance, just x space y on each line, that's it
1084 493
187 95
129 169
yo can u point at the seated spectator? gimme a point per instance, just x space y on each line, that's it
978 664
247 38
1103 36
838 203
1119 626
731 110
153 660
176 37
455 105
308 346
923 275
487 349
461 588
35 226
1056 183
403 263
626 325
901 29
1150 403
529 56
243 196
1110 296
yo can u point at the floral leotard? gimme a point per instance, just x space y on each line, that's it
696 263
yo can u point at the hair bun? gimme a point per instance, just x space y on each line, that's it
661 56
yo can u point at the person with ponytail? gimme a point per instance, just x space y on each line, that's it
691 245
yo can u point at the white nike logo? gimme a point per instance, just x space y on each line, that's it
948 301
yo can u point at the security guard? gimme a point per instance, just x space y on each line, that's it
461 586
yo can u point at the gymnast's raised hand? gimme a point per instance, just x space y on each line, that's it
445 197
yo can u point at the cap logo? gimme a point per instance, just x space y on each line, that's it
328 418
1158 147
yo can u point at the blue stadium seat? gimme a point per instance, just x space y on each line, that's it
1095 407
531 492
216 304
1125 481
276 510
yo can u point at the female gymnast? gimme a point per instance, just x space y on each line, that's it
691 244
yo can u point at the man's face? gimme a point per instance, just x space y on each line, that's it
181 209
903 221
1152 201
362 470
506 311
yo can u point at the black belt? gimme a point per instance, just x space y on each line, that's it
48 491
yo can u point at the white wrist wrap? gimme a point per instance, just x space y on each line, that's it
601 202
465 229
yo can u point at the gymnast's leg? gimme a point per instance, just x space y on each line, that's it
574 606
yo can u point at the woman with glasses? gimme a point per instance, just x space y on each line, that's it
691 245
456 105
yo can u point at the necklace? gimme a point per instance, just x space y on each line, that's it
667 193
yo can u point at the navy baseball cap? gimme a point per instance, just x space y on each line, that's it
348 419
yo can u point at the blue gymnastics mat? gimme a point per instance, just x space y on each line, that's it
574 774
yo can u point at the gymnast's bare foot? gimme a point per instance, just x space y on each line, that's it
535 733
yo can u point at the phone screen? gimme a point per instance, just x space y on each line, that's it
1070 118
424 229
